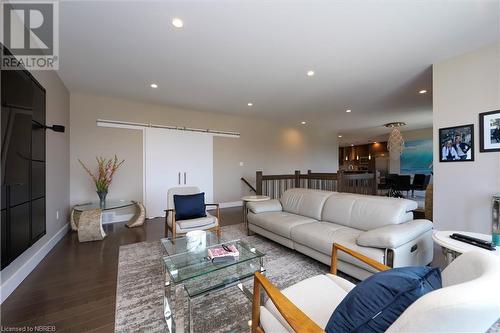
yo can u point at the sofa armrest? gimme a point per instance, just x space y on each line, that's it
257 207
394 235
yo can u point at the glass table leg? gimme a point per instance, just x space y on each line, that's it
190 316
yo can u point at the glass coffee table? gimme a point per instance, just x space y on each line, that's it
190 272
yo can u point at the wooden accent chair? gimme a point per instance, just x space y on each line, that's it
468 301
176 227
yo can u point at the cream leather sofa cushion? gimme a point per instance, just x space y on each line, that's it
280 223
366 212
183 226
393 236
304 202
320 236
317 297
264 206
208 220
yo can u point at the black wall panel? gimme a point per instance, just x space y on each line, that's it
20 237
23 163
4 232
37 219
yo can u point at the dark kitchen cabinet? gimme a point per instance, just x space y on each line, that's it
23 163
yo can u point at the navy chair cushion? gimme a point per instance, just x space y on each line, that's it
374 304
190 206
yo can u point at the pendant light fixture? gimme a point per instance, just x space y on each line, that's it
395 143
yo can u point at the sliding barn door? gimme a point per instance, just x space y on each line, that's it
175 158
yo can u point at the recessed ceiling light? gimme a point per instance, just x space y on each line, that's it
154 85
250 104
423 91
303 122
340 136
352 144
310 73
348 110
177 22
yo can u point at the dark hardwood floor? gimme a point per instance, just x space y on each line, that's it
73 288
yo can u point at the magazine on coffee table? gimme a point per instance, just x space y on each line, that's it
223 253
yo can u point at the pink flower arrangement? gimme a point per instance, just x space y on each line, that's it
106 169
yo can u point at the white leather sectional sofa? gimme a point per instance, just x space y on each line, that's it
310 221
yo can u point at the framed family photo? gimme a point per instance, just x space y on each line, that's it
456 144
489 131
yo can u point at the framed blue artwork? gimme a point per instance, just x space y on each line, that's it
417 157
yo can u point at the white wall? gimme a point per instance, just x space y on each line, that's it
263 145
465 86
57 183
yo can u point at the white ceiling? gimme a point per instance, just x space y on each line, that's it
369 56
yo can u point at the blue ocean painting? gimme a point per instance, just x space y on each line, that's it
417 157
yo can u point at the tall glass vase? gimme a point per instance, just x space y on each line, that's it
102 198
495 220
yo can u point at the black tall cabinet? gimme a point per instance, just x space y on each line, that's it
23 163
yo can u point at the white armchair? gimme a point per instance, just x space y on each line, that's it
178 227
468 302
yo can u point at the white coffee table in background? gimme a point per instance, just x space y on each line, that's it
452 248
251 198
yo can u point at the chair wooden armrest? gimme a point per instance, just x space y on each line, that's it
168 211
369 261
217 207
297 319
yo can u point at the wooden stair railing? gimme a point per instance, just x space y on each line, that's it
350 182
249 185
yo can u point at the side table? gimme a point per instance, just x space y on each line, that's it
251 198
87 218
452 248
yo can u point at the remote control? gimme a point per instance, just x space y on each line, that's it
474 241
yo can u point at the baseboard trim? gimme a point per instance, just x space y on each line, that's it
231 204
15 280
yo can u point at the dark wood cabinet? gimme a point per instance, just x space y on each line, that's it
23 163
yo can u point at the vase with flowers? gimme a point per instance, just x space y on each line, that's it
106 169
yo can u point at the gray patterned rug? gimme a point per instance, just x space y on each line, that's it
139 294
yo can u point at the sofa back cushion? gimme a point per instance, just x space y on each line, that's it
366 212
304 202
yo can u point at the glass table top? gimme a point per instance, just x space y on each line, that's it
188 263
108 204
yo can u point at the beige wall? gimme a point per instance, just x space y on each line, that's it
263 145
465 86
419 134
57 178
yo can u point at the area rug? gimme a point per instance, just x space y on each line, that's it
140 287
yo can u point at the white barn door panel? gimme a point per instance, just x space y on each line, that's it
175 158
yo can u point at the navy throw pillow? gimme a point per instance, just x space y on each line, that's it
190 206
375 303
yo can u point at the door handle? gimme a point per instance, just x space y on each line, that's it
179 182
184 178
